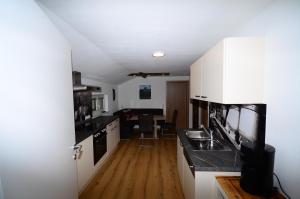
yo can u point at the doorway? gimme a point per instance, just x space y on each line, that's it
178 99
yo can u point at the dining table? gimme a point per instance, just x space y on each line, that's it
155 119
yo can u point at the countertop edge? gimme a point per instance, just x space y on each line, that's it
105 120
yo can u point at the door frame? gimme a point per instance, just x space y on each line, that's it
188 98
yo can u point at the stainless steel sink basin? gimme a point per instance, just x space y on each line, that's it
202 141
197 135
209 145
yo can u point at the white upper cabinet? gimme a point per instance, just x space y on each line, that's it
195 80
232 72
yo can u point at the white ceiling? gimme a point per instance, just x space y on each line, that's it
111 38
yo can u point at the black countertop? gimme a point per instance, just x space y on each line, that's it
85 129
228 161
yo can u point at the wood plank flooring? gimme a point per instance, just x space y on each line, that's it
138 172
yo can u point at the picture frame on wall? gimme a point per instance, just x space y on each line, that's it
114 94
145 91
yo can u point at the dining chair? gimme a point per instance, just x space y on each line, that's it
168 126
146 127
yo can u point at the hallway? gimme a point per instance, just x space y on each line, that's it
138 172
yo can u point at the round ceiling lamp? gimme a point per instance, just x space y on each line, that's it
158 54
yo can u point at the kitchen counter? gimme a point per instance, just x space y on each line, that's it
211 160
85 129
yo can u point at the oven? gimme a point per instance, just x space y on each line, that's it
100 145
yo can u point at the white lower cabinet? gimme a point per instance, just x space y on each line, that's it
110 137
85 163
203 184
113 135
180 160
117 130
186 177
188 181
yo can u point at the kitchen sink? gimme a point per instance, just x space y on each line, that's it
197 135
211 145
202 141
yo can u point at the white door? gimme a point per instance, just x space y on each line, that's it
36 117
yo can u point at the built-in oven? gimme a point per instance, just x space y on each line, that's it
100 145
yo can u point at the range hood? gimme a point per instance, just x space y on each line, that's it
77 86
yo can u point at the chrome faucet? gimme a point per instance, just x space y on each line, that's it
211 134
211 137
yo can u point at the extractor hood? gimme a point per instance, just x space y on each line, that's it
77 86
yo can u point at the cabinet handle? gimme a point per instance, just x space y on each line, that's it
203 96
197 95
78 151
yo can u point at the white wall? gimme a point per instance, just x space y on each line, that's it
106 89
279 23
128 93
36 119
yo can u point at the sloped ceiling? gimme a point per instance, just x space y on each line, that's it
111 38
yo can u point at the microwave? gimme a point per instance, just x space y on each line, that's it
99 104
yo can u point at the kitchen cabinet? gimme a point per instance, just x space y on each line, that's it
113 135
180 160
117 130
186 177
196 79
110 137
203 183
188 181
85 162
232 72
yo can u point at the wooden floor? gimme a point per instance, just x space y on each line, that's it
138 172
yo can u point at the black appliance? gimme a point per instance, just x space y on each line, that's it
77 86
83 96
100 145
257 173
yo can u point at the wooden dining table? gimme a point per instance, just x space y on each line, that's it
155 119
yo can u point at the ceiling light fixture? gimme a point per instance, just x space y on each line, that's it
158 54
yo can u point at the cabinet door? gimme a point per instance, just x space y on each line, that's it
225 74
212 74
117 129
195 80
244 66
189 181
85 163
180 160
110 137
